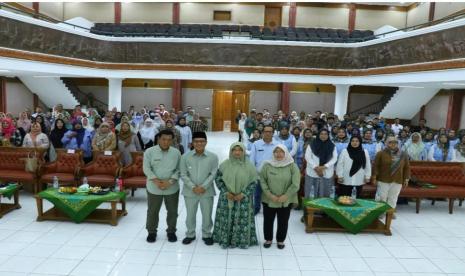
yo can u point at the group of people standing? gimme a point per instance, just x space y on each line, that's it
236 179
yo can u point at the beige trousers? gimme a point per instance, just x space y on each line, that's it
388 192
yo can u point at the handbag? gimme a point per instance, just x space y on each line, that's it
31 163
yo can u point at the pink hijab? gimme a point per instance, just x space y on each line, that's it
9 130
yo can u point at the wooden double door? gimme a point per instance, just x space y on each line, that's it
226 103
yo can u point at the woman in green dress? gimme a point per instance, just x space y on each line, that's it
234 221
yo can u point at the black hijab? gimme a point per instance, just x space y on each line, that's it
57 134
357 155
322 149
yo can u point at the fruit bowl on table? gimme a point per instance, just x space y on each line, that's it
67 190
346 200
97 190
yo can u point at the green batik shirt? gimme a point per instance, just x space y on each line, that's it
163 165
198 170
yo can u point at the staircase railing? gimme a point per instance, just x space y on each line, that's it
376 107
84 98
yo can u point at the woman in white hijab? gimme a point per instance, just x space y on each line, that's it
147 134
86 124
280 182
158 121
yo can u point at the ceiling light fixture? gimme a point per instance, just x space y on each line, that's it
453 83
409 86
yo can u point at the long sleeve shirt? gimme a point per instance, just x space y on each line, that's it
162 165
261 151
290 143
344 164
280 181
71 142
198 170
313 161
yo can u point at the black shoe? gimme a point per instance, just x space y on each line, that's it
188 240
172 237
267 244
208 241
152 237
281 246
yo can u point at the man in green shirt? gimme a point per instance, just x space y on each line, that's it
198 170
161 166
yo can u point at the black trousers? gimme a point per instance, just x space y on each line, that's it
346 190
269 215
240 136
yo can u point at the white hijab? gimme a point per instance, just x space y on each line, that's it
281 163
147 133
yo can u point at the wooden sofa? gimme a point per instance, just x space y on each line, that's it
448 177
12 166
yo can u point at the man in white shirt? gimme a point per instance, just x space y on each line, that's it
396 127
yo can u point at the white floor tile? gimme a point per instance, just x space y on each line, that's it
278 272
104 254
139 256
158 270
436 252
450 266
72 252
279 262
309 250
21 264
373 251
123 269
315 264
244 262
173 258
388 265
340 251
39 250
419 265
93 268
56 266
349 264
208 260
206 271
404 252
244 272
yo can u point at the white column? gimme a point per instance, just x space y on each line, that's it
341 100
115 93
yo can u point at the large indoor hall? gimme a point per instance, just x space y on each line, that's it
232 138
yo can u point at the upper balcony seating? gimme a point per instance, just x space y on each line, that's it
218 31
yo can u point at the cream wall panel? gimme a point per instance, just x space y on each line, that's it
52 9
285 16
444 9
140 97
322 17
146 12
309 102
18 98
240 14
462 119
136 96
265 100
102 12
201 100
418 15
358 101
436 111
372 19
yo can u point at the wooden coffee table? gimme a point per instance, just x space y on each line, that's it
314 223
8 207
99 215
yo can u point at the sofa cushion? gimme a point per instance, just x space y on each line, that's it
65 179
451 176
16 175
101 180
135 182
